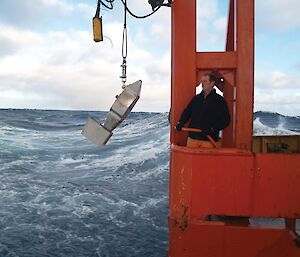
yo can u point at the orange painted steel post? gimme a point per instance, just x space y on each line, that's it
183 61
244 73
228 139
230 39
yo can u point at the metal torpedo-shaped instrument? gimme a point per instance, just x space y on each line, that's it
99 134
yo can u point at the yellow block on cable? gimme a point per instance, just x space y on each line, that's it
97 29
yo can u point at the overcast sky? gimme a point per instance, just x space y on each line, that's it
48 59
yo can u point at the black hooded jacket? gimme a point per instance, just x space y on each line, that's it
210 113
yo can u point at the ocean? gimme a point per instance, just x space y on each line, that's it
62 196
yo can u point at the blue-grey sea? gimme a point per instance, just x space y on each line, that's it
62 196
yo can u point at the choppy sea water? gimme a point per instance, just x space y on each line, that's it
61 196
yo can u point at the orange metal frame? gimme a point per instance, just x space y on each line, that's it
230 180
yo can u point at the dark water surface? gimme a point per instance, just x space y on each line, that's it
61 196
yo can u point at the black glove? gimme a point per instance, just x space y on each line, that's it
206 132
179 126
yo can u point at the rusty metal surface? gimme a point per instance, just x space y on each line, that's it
210 239
276 144
224 183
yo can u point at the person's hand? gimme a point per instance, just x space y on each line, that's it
179 126
206 132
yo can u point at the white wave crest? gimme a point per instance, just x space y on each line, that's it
259 129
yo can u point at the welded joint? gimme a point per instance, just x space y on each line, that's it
296 237
183 222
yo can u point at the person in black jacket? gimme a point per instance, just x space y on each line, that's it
208 111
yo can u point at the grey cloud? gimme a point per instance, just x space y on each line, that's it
286 104
65 90
276 80
7 46
282 15
157 72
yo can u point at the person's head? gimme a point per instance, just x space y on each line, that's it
208 81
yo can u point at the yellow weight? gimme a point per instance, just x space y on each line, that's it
97 29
